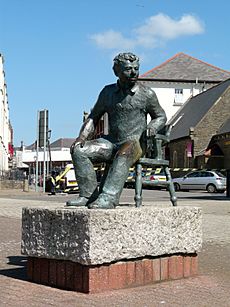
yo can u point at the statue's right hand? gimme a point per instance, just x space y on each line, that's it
78 142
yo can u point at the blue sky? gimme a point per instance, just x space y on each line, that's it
58 53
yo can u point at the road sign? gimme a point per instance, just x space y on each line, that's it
43 128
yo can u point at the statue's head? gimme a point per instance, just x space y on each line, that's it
126 68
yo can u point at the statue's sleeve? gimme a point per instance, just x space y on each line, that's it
158 116
99 107
88 128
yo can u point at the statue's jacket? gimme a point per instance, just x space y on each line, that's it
127 111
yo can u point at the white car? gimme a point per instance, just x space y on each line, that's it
155 178
211 181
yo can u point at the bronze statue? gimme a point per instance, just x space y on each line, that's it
127 104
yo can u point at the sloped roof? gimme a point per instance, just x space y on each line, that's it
184 67
31 146
59 143
225 128
62 143
194 110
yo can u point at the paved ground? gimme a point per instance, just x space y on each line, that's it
210 288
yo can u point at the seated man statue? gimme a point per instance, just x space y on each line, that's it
127 104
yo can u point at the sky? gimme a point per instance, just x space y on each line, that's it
58 54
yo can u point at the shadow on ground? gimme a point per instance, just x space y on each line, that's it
205 197
18 270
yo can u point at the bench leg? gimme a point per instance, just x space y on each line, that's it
172 193
138 185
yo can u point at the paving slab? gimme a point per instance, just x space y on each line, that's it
210 288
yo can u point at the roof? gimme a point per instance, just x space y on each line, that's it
59 143
31 146
62 143
225 128
184 67
194 110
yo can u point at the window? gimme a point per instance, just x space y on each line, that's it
178 91
208 174
178 100
174 161
186 159
195 174
220 175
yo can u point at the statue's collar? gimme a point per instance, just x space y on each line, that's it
132 90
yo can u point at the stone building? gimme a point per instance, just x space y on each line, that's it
180 82
201 129
5 127
175 81
180 78
218 150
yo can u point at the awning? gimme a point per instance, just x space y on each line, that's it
23 165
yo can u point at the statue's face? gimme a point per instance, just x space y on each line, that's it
128 72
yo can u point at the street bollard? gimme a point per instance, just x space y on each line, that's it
25 185
228 183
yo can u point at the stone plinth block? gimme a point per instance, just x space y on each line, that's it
93 237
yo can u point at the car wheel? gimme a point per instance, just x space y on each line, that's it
211 188
176 187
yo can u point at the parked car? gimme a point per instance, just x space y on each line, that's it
155 178
211 181
130 181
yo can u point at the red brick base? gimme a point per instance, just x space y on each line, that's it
96 278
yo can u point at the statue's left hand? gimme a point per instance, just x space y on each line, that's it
78 142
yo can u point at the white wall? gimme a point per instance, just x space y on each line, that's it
4 122
56 155
169 101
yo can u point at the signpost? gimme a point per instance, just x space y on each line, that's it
42 138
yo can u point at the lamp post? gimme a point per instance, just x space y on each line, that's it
49 153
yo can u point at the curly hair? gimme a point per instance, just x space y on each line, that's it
122 58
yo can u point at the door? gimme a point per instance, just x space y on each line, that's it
191 182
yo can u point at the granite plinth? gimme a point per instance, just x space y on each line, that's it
94 237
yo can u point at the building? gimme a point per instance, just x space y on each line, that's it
188 89
102 127
200 134
57 156
6 131
218 151
180 78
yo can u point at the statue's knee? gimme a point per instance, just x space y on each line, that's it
77 152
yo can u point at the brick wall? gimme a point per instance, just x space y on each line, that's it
211 122
203 132
179 147
91 279
11 184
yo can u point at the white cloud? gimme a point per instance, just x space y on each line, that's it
112 40
153 32
162 27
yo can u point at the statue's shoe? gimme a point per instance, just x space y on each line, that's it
78 202
104 201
